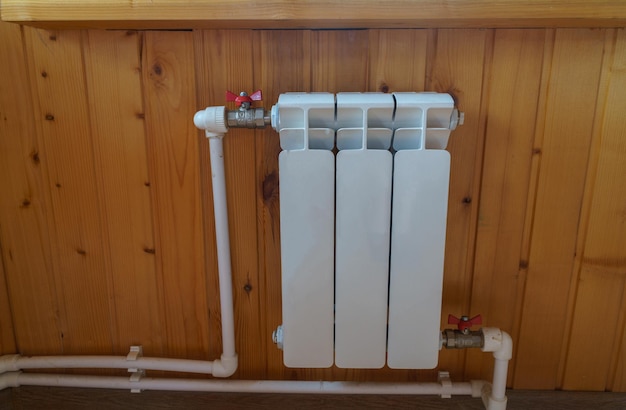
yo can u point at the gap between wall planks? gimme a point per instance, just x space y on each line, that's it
569 107
599 307
175 285
511 111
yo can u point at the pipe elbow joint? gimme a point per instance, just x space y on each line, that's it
225 366
212 121
8 363
9 379
499 342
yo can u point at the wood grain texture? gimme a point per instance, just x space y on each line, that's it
25 214
598 314
512 105
319 14
575 71
390 67
79 257
113 76
174 169
7 334
455 66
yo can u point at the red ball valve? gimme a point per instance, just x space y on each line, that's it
464 323
243 98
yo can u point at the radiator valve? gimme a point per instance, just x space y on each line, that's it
463 337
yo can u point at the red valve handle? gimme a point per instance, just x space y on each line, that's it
464 322
243 97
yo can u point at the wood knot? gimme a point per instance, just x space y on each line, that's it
384 88
25 203
150 251
35 157
44 74
467 200
247 287
81 251
270 186
157 69
49 117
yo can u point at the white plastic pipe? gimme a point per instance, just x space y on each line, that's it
11 363
501 344
222 239
16 379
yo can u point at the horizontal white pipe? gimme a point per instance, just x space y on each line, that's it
16 379
17 362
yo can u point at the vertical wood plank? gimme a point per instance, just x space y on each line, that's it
24 211
113 79
455 66
59 93
339 61
174 169
7 334
282 63
397 60
598 314
233 50
569 114
511 111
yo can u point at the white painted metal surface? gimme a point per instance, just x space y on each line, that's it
363 217
307 227
420 197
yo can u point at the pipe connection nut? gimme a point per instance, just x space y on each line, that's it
456 339
248 118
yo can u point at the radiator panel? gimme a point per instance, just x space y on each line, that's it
420 197
307 203
363 214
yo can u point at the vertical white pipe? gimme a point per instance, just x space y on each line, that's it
498 388
222 240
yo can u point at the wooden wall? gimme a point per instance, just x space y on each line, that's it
106 224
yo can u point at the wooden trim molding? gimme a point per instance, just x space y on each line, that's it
188 14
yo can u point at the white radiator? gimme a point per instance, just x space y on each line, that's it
363 202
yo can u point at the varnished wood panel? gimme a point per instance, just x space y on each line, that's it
575 72
60 109
113 75
513 94
106 217
320 14
174 169
598 314
24 206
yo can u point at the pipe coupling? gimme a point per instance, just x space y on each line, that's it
250 118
